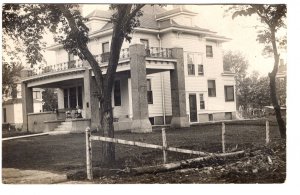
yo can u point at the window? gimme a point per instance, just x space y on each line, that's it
151 119
105 47
145 42
209 51
202 102
200 69
191 69
229 93
4 115
211 88
72 97
117 93
36 95
190 62
79 91
228 116
210 117
149 92
66 98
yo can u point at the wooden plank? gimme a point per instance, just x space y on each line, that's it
223 138
267 132
146 145
24 136
164 140
89 166
180 164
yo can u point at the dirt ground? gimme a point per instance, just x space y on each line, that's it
66 153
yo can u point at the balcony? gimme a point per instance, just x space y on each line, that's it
102 59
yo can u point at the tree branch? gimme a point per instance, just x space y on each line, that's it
84 49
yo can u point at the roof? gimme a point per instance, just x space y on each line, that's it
174 11
100 14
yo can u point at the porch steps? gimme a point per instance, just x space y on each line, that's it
63 128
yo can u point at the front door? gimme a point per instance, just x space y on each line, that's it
193 108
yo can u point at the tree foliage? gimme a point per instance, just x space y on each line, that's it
273 16
10 74
49 99
28 22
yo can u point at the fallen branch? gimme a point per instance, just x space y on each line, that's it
180 164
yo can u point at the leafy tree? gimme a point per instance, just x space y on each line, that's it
49 99
28 22
274 17
234 61
10 72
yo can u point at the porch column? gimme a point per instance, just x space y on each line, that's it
179 116
27 100
90 103
27 104
140 115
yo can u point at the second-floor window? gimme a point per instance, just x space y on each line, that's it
200 69
211 88
145 42
229 93
117 93
209 51
149 92
105 47
191 65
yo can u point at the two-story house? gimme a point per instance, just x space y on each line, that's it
170 73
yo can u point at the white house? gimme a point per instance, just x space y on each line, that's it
180 65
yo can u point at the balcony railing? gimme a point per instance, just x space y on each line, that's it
158 52
154 52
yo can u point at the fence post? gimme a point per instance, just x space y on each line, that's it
89 166
267 132
164 140
223 137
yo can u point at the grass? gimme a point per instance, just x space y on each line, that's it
64 153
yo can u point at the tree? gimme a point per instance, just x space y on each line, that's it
28 22
273 16
10 72
49 99
237 63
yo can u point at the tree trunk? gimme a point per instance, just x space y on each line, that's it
274 99
106 119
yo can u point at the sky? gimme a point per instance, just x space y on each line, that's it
241 30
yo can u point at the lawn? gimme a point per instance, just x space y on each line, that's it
65 153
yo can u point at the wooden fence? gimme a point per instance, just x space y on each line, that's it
164 147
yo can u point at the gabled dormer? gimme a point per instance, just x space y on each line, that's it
98 19
179 15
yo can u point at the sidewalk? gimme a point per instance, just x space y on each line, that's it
17 176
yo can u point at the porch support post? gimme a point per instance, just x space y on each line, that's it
140 123
179 116
27 100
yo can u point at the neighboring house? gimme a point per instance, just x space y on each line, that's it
12 106
170 73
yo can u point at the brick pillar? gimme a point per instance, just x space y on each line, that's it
179 116
27 101
140 123
90 104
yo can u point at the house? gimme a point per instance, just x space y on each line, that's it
12 106
170 73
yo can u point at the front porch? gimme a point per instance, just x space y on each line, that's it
77 89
